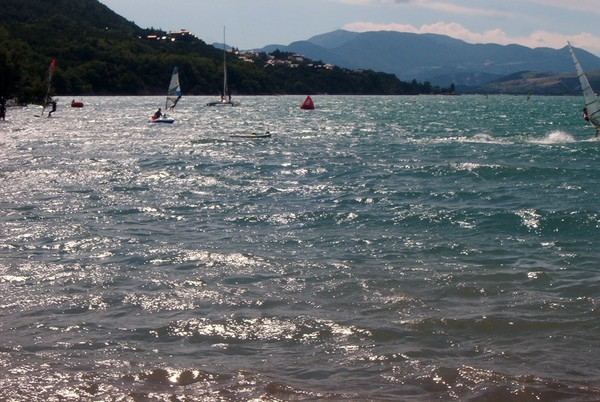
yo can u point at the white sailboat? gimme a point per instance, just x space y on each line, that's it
591 111
173 96
225 95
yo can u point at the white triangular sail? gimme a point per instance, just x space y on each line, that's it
174 92
589 96
173 96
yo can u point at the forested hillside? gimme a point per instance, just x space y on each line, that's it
99 52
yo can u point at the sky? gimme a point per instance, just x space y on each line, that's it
254 24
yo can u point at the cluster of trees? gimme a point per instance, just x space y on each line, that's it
100 53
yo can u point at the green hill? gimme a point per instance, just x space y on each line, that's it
539 83
99 52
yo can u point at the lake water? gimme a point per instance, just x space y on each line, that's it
377 248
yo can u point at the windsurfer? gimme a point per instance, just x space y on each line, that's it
174 103
586 117
157 114
53 103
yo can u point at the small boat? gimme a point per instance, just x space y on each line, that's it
308 104
161 119
225 95
591 111
252 135
76 104
173 96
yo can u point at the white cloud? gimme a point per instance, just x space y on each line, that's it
456 9
535 39
442 6
588 6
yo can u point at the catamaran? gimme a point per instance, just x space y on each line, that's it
173 96
225 95
591 111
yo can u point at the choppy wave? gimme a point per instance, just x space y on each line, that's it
381 248
556 137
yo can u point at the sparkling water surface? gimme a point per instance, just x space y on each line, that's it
376 248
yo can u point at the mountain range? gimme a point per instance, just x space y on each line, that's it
98 52
439 59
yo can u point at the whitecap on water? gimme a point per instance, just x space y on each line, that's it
485 139
555 137
530 218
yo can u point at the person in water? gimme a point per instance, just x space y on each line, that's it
157 114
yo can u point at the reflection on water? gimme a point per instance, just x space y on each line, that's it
390 248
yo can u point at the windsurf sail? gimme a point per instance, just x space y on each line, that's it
174 92
308 104
51 70
592 106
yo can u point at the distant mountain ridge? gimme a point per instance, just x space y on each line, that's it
98 52
439 59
